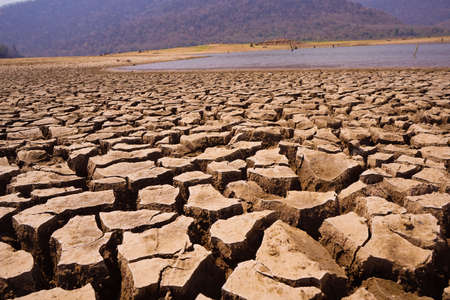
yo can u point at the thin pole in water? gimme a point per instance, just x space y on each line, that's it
415 51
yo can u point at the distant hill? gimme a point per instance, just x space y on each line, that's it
415 12
445 24
82 27
8 52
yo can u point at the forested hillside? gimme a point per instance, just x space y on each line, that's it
8 52
67 27
417 12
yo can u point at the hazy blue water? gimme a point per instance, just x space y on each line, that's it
428 55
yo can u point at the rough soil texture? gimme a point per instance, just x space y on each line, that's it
224 185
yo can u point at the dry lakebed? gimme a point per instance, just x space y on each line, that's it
269 184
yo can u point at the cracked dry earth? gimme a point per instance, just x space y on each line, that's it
224 185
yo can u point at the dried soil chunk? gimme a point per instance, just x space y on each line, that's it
183 276
420 230
300 136
438 154
322 172
249 282
428 140
188 274
361 294
437 204
177 165
6 171
225 172
267 158
160 197
369 207
377 159
262 115
401 170
65 151
326 147
16 272
207 204
84 293
343 235
400 188
130 147
326 135
397 150
186 180
78 159
123 169
359 134
153 138
107 144
373 176
175 150
383 289
436 177
140 279
215 154
61 131
27 134
26 182
134 220
385 137
202 297
305 210
147 177
9 148
247 148
59 168
250 192
288 149
28 157
200 141
267 135
388 254
275 180
238 238
156 242
76 253
348 198
108 183
114 157
14 200
300 121
144 256
291 256
446 293
5 217
42 195
34 223
409 160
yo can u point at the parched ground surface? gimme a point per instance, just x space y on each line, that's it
224 185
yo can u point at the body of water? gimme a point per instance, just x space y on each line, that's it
428 55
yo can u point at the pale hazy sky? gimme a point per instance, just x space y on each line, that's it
3 2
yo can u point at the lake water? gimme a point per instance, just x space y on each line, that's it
428 55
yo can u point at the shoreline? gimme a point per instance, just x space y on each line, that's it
282 69
173 54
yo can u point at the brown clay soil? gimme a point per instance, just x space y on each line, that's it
318 184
